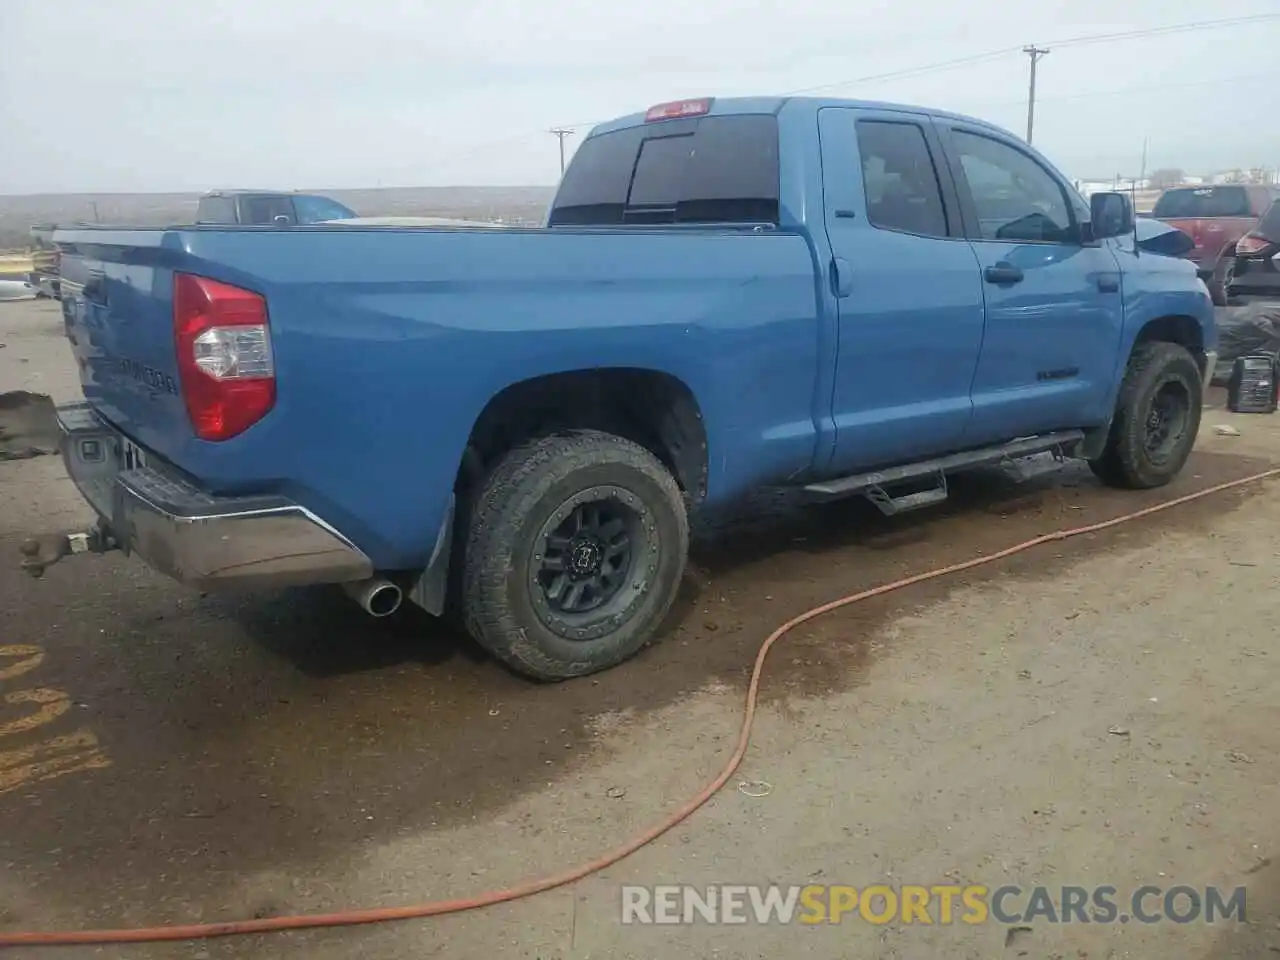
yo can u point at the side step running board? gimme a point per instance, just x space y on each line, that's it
872 484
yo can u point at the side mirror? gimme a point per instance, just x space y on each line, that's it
1110 215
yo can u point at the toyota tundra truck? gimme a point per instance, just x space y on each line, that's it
852 298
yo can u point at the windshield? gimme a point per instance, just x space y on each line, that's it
1198 203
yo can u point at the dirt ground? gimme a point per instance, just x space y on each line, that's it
1103 710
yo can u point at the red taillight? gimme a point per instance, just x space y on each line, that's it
224 355
678 108
1250 244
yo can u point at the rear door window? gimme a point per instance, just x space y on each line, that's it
216 210
900 179
1202 203
711 170
266 210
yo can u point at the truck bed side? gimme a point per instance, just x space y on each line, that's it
389 343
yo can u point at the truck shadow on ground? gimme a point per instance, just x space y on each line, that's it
765 560
291 730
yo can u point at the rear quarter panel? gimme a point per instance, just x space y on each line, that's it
389 344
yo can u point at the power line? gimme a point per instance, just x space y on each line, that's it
942 65
905 73
1168 29
951 64
1142 88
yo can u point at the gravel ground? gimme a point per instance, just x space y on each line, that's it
1099 711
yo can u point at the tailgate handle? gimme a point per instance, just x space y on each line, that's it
95 289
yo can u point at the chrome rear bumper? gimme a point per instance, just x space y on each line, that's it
193 536
1210 365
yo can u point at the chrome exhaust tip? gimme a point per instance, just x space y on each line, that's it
377 596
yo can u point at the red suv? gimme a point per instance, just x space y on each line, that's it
1215 217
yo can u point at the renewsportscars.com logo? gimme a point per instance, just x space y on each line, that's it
928 905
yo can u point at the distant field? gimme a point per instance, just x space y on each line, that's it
520 205
14 265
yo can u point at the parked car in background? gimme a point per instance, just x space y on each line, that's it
1215 217
855 299
16 289
1255 271
265 208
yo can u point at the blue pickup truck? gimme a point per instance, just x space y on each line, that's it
859 299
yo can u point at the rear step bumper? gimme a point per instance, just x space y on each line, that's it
193 536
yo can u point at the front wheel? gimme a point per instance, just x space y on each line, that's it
575 551
1156 420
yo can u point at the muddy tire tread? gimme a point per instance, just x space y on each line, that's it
1121 463
512 489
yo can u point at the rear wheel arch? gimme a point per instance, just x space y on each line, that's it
649 407
653 409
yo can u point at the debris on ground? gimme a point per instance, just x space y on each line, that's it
1226 430
28 425
1250 329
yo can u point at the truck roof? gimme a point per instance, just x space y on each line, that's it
727 106
242 192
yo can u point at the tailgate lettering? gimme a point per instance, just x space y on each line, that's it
153 378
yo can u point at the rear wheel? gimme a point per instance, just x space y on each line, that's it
575 551
1156 420
1228 280
1219 284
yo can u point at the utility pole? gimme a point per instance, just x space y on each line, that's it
1035 53
560 134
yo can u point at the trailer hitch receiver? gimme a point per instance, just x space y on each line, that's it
40 553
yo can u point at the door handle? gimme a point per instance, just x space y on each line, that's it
1003 273
841 277
1109 283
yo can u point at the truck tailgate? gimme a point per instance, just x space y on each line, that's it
117 304
1211 234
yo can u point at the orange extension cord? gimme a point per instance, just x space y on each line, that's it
347 918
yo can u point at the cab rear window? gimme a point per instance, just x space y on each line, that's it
1203 203
708 170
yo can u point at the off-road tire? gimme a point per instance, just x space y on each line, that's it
1125 462
504 607
1219 283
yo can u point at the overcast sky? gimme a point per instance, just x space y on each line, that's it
159 95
